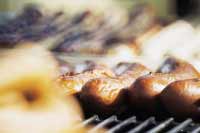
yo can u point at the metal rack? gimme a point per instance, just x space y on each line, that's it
149 125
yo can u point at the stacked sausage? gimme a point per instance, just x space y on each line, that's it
174 86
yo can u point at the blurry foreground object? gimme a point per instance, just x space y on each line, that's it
29 99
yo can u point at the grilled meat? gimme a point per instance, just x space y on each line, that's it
106 94
73 84
174 65
144 92
181 98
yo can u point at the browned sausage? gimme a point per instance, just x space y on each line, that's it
73 84
182 98
105 94
174 65
144 92
135 70
121 67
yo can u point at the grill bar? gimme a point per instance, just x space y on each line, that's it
143 125
161 126
122 124
88 121
196 130
91 120
180 126
104 124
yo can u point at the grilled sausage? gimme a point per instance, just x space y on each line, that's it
144 92
174 65
182 98
135 70
73 84
121 67
106 94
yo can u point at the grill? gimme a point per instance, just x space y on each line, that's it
133 125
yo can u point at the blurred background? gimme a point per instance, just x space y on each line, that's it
101 31
164 8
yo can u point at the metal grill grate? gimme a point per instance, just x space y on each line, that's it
149 125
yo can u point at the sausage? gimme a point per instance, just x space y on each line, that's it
121 67
103 95
144 91
174 65
182 98
87 66
135 70
107 94
73 84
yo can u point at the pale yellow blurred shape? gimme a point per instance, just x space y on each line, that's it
31 69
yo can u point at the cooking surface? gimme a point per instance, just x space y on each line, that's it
149 125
